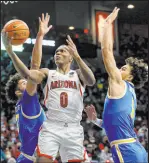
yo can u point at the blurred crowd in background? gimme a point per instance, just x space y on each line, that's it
95 140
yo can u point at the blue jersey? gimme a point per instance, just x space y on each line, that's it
119 115
29 117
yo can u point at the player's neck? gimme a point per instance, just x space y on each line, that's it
63 69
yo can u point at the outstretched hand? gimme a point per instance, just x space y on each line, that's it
72 47
44 28
112 16
107 23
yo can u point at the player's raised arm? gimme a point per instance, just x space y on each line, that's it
107 48
37 50
18 64
84 72
36 75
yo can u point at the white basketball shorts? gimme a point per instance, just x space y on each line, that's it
67 138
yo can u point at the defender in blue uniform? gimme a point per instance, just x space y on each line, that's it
22 87
118 122
29 117
120 104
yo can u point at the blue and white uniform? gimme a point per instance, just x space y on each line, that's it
29 117
118 122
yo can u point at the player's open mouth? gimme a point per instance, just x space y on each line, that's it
57 57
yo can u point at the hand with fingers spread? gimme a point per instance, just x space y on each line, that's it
72 48
84 72
109 20
91 113
43 24
6 41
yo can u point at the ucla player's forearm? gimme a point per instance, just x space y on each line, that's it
107 50
107 40
88 76
37 53
107 53
98 122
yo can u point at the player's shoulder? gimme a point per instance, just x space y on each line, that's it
47 72
129 85
52 71
26 94
77 71
74 73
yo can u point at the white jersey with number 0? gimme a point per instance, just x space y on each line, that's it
64 96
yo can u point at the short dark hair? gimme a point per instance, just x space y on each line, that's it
139 71
10 88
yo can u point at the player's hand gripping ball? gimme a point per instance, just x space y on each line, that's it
17 30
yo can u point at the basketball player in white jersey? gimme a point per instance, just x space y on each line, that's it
64 100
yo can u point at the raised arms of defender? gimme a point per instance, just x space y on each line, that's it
32 74
116 84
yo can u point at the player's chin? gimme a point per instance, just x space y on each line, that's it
58 62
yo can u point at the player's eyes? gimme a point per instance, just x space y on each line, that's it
24 82
61 50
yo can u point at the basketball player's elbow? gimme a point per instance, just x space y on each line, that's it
91 81
36 76
35 66
31 77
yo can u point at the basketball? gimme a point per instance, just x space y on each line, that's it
17 29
